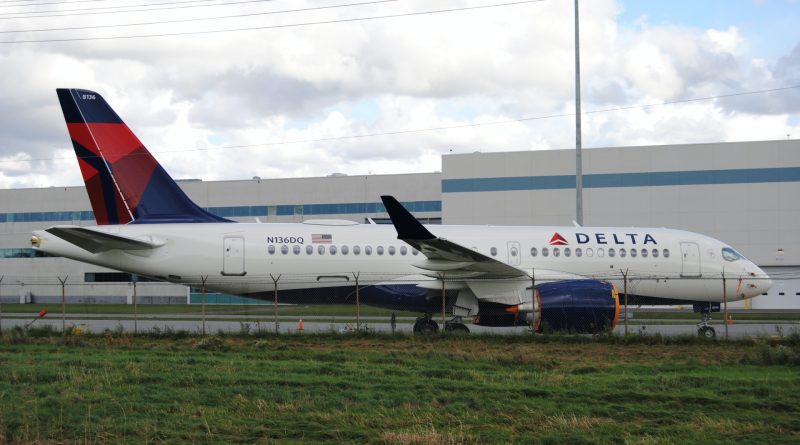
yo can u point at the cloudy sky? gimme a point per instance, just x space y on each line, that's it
290 88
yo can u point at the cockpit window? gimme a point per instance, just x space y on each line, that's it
731 255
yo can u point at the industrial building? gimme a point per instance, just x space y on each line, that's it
744 193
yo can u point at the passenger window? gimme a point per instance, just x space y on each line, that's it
578 252
296 249
534 252
332 249
284 249
309 249
612 253
379 250
666 253
321 250
403 250
414 252
567 251
556 251
271 249
514 251
545 252
368 250
493 251
644 253
589 252
345 250
356 250
622 253
655 253
601 252
391 250
633 253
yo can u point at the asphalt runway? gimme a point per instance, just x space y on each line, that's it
98 324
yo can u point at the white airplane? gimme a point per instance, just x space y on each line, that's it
559 278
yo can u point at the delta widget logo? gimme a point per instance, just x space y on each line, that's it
558 240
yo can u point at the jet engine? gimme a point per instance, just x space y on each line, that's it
578 306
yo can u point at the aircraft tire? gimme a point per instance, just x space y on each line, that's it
456 328
707 332
425 326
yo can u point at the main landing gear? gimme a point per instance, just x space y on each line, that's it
703 328
426 325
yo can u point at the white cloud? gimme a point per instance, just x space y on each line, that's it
384 76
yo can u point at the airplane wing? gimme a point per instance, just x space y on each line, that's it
96 242
445 256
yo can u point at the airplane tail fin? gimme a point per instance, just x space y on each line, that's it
124 181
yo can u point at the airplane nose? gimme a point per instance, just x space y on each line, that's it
759 281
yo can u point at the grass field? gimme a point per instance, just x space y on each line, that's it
170 387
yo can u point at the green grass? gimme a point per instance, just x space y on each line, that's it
170 387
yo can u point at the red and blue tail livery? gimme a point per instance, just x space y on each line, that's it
124 182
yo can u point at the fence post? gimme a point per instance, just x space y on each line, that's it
533 300
275 303
725 301
203 278
63 305
625 290
1 304
358 304
444 296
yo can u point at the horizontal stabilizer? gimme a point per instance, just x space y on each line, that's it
96 242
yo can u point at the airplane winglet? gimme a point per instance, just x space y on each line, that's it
408 227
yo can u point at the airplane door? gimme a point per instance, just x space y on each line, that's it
690 254
233 256
514 253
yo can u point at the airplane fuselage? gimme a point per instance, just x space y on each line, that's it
247 259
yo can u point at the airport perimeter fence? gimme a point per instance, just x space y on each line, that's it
351 302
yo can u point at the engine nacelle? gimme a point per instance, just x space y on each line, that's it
579 306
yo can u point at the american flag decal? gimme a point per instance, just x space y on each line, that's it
321 238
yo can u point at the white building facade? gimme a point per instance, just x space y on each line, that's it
743 193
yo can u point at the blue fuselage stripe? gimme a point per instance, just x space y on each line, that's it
612 180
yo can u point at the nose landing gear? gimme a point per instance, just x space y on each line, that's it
704 329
